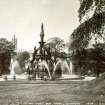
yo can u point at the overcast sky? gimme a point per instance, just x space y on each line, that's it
24 17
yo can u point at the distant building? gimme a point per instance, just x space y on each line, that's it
14 41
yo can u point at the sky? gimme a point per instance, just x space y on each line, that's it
24 17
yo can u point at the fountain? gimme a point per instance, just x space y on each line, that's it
12 65
15 71
63 66
44 65
40 63
71 67
40 60
63 70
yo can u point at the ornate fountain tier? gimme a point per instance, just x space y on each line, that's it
41 52
41 57
42 40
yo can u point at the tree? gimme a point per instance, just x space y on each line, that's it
22 57
90 59
97 55
6 49
89 26
92 23
56 44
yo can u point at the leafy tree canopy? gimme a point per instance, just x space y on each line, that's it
21 57
88 5
56 43
6 46
91 27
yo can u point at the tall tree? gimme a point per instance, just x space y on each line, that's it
92 23
6 49
90 26
22 57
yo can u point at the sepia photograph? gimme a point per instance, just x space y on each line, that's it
52 52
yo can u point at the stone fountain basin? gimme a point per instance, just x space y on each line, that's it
71 77
15 77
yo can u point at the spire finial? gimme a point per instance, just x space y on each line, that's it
42 30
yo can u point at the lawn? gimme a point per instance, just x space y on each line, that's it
48 93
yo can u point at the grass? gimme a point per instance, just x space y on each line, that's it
31 92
